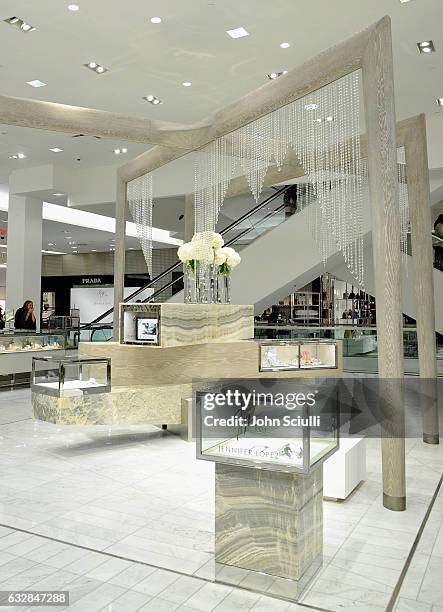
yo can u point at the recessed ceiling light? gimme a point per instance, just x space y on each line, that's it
426 46
329 118
440 101
131 248
124 150
20 24
17 156
58 195
93 250
311 106
152 99
186 83
117 151
156 19
36 83
404 1
73 7
285 45
51 243
274 75
237 32
56 150
95 67
318 120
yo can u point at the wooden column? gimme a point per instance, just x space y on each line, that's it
378 83
417 173
120 252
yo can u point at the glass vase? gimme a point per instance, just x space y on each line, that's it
205 281
190 286
223 289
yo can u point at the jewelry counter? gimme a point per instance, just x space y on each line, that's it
269 484
18 348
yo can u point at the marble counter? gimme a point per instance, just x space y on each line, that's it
268 522
136 405
187 324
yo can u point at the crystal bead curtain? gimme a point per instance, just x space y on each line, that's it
405 221
323 129
140 204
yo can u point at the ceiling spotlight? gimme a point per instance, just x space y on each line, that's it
237 32
58 195
426 46
156 19
329 118
439 101
96 67
73 7
274 75
285 45
404 1
318 120
20 24
311 106
51 243
187 84
36 83
93 250
117 151
17 156
56 150
124 150
152 100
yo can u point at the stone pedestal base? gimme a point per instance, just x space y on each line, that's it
268 522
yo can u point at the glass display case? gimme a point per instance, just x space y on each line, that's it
19 342
275 356
70 376
272 437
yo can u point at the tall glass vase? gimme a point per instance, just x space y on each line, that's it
190 286
205 280
223 289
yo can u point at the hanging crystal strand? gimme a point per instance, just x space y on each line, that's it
403 206
140 206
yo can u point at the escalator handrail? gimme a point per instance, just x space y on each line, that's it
179 263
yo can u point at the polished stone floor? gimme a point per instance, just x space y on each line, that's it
123 519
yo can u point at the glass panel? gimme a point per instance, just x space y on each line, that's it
317 355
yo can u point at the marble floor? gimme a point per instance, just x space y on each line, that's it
123 519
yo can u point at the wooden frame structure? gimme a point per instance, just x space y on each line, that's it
370 51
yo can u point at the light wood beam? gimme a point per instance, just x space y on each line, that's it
51 116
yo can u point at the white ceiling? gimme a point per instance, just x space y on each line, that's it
191 44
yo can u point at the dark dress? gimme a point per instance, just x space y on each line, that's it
20 322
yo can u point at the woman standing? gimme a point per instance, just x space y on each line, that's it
25 317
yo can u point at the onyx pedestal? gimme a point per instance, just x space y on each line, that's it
269 524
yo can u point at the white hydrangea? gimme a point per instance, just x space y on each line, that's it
186 252
217 241
232 257
203 251
220 257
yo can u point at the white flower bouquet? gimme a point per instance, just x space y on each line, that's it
207 247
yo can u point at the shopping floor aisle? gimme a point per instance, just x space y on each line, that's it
124 520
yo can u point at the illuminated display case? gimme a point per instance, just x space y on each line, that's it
140 324
71 376
263 440
20 342
276 356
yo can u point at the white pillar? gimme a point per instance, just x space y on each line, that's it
23 272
